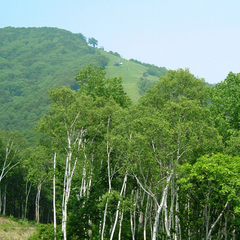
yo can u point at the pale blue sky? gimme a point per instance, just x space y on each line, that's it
203 35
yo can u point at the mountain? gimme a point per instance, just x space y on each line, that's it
34 60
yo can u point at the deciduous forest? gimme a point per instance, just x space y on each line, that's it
104 167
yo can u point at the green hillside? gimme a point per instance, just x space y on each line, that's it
33 60
130 72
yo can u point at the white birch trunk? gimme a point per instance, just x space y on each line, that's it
117 212
156 222
8 165
120 226
132 217
54 198
37 203
145 220
167 222
177 221
26 201
69 171
66 192
121 215
104 220
214 224
226 224
109 150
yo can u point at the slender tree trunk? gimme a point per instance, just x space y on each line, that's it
7 166
4 200
145 220
121 214
109 150
69 171
118 206
26 201
66 192
226 224
214 224
37 202
120 225
167 222
164 195
104 220
141 214
234 228
188 223
177 221
54 198
90 235
131 218
220 231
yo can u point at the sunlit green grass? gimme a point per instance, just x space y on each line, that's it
130 72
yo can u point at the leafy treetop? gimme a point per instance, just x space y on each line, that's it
92 81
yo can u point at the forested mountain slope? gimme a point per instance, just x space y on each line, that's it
33 60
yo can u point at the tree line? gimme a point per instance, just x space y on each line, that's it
166 167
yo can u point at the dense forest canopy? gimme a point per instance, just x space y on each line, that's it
33 60
103 167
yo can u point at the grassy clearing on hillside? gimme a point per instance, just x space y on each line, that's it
130 72
20 230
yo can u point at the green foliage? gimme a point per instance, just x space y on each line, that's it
12 150
152 69
144 84
207 186
157 71
92 41
32 61
115 53
225 105
177 83
46 232
92 82
169 131
38 164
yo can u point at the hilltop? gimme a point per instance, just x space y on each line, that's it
34 60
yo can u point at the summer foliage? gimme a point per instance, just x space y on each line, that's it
33 60
165 167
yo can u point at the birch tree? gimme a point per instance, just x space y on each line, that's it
37 165
169 126
225 105
211 187
11 151
66 123
109 97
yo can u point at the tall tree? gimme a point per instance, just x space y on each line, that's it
92 41
175 84
66 123
38 167
210 189
225 105
11 147
169 126
92 81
